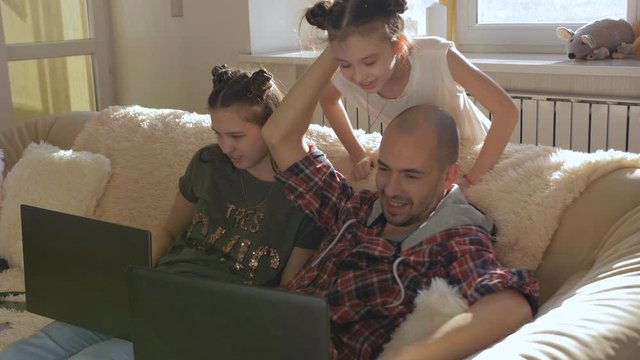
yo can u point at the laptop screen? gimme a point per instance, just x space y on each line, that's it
75 268
185 317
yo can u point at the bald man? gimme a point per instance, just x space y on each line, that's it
385 246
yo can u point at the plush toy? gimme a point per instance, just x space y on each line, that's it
600 39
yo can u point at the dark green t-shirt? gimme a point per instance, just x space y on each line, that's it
244 228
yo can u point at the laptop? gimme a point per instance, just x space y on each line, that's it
75 268
178 316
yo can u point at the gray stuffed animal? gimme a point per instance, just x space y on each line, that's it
597 40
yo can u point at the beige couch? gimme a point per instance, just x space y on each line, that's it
589 272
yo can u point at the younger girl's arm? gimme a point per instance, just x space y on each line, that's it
337 116
493 98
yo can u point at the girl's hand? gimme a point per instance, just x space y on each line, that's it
362 168
463 183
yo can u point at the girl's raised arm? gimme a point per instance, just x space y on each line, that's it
284 131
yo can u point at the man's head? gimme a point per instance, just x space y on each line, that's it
417 163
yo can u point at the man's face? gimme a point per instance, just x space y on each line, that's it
409 181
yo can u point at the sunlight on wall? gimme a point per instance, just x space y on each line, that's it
50 85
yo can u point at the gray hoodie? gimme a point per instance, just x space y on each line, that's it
452 211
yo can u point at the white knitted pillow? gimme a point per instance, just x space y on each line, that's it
46 176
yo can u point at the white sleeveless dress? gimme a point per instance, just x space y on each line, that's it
430 82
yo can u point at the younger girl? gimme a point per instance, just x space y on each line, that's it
384 74
230 220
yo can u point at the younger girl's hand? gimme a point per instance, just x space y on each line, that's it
362 168
463 183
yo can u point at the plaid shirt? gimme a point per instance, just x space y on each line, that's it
355 274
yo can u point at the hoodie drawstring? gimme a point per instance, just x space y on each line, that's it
397 277
344 227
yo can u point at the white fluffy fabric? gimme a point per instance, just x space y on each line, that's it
149 150
434 306
48 177
20 323
528 190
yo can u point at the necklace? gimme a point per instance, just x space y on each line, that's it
371 123
244 194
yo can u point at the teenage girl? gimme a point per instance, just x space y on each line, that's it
384 73
230 220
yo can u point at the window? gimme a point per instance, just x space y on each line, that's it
529 26
53 58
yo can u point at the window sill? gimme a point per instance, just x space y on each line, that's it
554 64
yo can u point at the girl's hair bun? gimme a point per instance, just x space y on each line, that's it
318 14
259 83
221 75
397 6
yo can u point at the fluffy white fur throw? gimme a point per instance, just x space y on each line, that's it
149 150
528 190
20 323
46 176
434 306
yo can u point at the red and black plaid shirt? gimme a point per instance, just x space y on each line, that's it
355 275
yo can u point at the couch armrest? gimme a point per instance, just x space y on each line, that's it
583 226
595 315
59 130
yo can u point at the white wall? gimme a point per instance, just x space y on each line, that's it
165 62
276 25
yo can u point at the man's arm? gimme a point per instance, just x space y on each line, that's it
487 321
284 131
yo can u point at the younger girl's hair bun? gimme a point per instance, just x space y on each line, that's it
221 75
318 14
259 83
397 6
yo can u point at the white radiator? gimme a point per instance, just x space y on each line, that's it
581 124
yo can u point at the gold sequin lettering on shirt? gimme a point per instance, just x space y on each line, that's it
242 252
226 249
230 208
254 227
239 217
244 219
254 260
216 235
199 218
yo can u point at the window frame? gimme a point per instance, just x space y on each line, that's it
97 46
529 38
